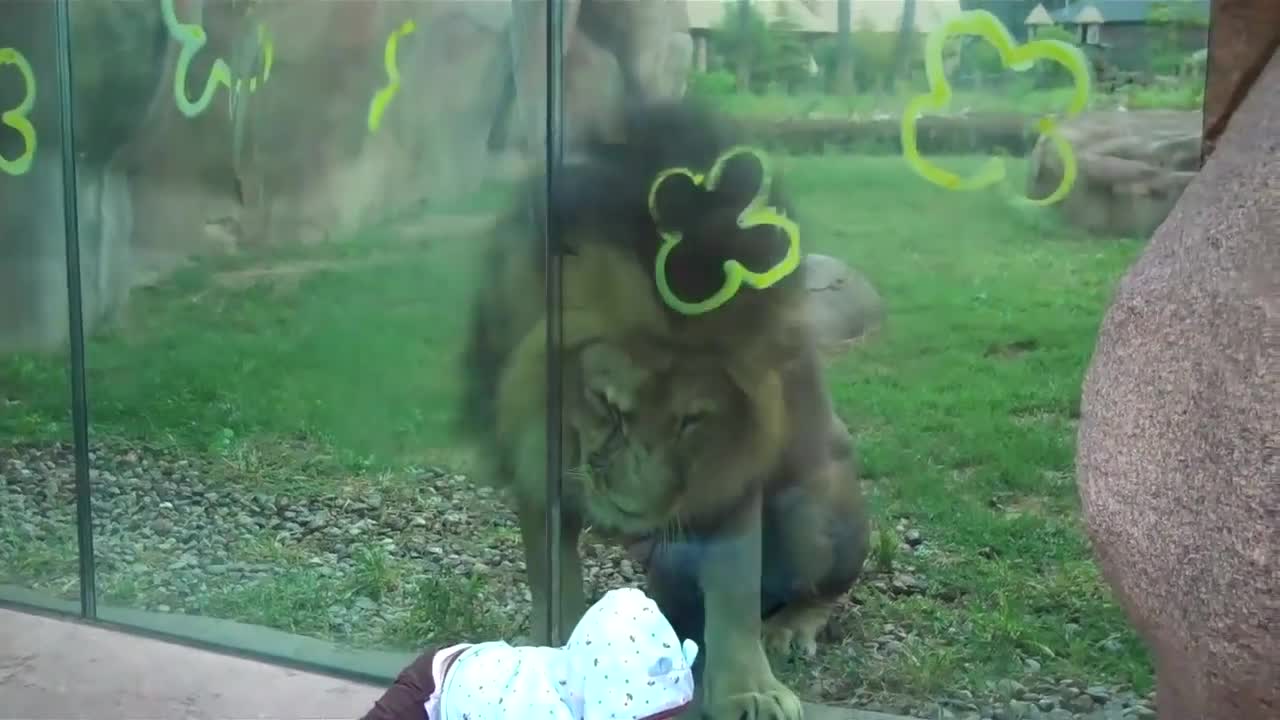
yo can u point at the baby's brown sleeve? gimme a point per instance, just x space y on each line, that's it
405 698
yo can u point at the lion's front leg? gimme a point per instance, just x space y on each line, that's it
572 595
738 681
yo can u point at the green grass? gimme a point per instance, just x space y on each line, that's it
360 356
1033 102
964 407
775 106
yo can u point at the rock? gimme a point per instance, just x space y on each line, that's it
907 584
1254 29
1099 694
1177 463
1133 166
843 305
1079 703
647 39
1010 688
1015 710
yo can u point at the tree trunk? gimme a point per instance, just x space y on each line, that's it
844 47
906 30
745 51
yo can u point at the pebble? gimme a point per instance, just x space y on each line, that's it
1080 703
1010 688
1099 693
1015 710
206 540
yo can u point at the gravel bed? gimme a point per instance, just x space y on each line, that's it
168 533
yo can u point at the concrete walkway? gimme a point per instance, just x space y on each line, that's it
58 669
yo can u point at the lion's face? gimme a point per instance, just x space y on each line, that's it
660 436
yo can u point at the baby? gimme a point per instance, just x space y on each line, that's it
623 661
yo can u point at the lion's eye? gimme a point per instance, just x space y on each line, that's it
691 421
604 406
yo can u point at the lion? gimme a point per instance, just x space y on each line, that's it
710 438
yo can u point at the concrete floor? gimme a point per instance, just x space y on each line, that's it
62 669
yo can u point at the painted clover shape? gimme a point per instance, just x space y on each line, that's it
383 97
191 37
755 213
18 118
1015 57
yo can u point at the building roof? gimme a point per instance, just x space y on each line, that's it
1124 11
821 16
1038 16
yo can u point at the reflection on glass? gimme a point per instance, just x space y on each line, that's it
38 556
273 408
303 272
956 324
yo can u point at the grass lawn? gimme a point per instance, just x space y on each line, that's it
1187 96
333 376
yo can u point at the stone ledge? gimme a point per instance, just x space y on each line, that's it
59 666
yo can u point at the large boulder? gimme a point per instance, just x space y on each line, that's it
843 305
294 160
649 50
297 160
1179 443
1133 166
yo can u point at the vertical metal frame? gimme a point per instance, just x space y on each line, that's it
71 226
551 233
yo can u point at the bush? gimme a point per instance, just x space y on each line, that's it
712 84
1049 74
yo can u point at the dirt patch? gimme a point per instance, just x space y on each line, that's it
286 275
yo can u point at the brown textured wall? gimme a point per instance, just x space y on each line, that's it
1243 36
1178 459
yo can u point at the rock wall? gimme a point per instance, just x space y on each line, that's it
294 159
1179 444
1132 168
123 48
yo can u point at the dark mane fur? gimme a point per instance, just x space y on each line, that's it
602 197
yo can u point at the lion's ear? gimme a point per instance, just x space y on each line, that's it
677 200
743 178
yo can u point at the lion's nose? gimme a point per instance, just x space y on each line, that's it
598 461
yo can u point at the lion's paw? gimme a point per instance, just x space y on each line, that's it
776 702
796 629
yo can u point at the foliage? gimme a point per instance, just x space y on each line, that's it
1049 74
1170 22
1187 95
712 84
776 55
876 55
978 63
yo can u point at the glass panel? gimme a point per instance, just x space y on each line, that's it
275 407
38 551
955 320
